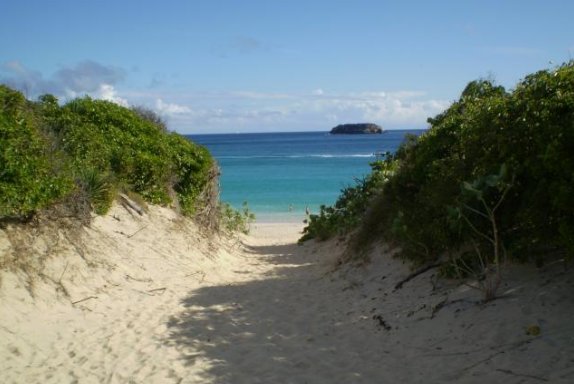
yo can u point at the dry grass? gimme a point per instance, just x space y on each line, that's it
27 246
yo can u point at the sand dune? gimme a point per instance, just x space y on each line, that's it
150 300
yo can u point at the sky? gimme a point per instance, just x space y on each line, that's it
226 66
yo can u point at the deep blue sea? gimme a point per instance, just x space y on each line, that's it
280 174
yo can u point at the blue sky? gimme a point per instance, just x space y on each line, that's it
251 66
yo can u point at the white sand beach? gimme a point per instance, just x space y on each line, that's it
150 300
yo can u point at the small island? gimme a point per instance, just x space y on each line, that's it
354 129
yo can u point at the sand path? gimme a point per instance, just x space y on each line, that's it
267 310
296 320
153 309
282 324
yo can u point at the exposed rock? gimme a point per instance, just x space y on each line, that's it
363 128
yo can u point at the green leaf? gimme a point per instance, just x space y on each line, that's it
492 180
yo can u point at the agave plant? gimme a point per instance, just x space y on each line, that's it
98 187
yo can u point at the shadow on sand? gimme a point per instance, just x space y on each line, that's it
278 328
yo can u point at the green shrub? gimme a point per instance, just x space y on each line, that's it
233 220
31 174
529 132
135 148
99 189
109 138
88 149
351 205
191 174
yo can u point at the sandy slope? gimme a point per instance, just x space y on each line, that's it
154 302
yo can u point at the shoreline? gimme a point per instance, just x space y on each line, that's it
279 218
276 232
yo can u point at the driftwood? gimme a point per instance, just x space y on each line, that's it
419 271
130 203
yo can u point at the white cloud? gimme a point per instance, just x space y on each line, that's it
88 76
30 82
171 108
255 95
256 111
108 92
388 108
85 78
231 111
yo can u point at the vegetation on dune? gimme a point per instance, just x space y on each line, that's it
83 153
133 151
33 174
351 205
493 177
233 220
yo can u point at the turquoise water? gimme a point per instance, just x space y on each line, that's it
281 174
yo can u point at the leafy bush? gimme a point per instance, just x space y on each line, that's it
106 137
151 116
30 178
233 220
191 173
351 205
89 149
135 148
529 132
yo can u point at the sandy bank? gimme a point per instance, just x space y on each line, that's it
149 299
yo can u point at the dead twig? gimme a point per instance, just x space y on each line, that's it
197 273
62 275
136 232
490 357
419 271
443 303
84 299
509 372
438 307
152 292
146 280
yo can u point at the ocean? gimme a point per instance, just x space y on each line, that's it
280 175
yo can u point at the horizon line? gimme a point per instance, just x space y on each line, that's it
282 132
